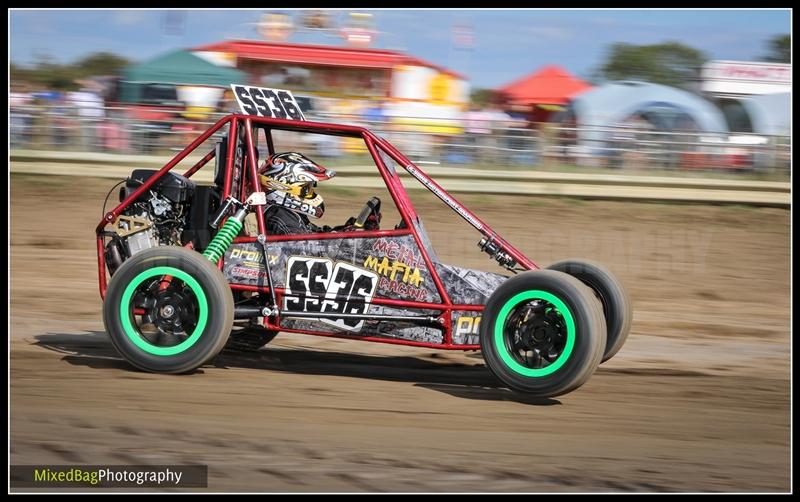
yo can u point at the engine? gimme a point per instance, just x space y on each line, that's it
157 218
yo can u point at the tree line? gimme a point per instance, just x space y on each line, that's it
63 77
667 63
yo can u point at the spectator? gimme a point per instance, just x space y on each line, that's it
521 141
628 140
19 101
61 123
477 128
374 115
567 139
112 135
90 110
227 103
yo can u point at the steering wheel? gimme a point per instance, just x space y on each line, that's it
372 207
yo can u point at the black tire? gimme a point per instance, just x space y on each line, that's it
249 338
616 303
573 362
205 299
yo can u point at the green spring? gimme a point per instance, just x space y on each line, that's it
220 243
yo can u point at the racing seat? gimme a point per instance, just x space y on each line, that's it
221 158
206 201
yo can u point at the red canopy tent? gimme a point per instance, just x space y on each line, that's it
550 86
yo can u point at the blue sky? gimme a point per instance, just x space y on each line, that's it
508 43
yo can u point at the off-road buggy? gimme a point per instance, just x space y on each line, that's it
186 279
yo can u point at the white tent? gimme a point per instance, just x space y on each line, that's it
770 114
610 104
602 111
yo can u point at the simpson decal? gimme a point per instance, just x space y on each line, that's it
280 199
244 263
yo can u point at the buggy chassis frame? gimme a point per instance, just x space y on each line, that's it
250 183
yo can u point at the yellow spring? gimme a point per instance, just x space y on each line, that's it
220 243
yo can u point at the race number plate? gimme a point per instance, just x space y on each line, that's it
322 285
263 102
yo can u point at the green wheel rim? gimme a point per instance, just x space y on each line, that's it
499 339
126 315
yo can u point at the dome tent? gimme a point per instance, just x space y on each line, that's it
667 108
612 103
771 114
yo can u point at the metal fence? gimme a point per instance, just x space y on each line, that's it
501 145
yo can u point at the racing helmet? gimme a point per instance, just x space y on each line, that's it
290 178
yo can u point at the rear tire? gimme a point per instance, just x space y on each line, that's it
616 303
186 319
543 333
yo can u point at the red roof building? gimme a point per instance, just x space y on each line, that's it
324 55
319 68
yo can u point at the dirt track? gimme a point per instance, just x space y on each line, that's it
697 400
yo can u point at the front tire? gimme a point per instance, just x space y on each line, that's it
543 333
168 310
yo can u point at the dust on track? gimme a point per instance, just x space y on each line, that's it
697 400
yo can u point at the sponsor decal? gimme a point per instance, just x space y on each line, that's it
280 199
395 270
466 330
247 273
403 290
395 250
264 102
437 191
398 266
251 257
246 262
322 285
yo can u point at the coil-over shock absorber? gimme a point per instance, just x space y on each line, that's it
224 237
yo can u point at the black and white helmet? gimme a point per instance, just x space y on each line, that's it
290 178
293 167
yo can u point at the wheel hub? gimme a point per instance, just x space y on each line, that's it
171 310
538 333
167 311
174 312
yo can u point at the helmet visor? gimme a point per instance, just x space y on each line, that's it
307 190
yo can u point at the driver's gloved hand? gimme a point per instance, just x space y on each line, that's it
373 222
348 226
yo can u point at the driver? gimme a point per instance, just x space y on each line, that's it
289 180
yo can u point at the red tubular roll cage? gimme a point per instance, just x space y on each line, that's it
375 145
